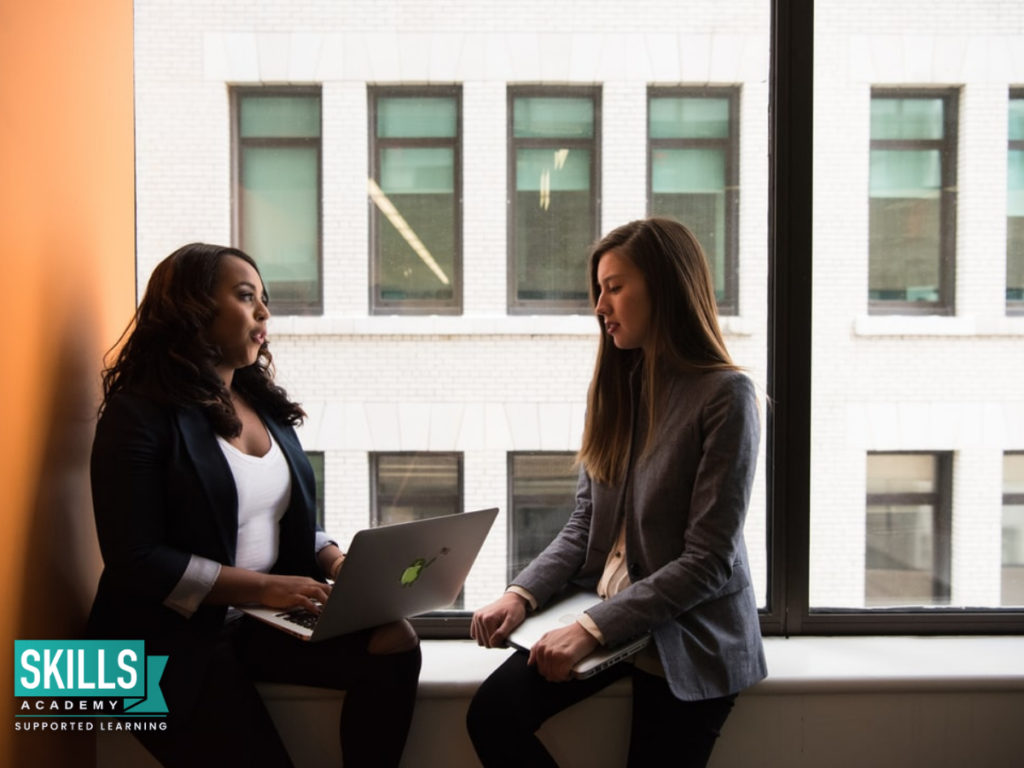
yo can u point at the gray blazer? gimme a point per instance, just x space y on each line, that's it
684 505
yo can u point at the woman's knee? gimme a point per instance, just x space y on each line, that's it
397 637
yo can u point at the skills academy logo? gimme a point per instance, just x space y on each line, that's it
87 685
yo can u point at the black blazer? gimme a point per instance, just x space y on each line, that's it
163 491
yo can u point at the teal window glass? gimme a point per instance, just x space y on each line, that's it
278 197
553 219
1015 209
417 117
693 176
414 193
553 117
689 118
911 197
279 116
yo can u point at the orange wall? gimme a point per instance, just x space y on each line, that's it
67 244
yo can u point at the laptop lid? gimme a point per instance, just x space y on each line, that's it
396 571
562 613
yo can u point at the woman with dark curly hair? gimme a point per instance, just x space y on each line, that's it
204 500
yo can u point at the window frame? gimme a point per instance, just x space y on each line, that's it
948 148
375 494
375 93
940 499
1014 307
236 93
788 413
729 305
516 306
510 459
788 416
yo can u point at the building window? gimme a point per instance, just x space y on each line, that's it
277 192
912 217
541 496
693 174
316 460
908 529
553 209
415 190
412 486
1013 530
1015 207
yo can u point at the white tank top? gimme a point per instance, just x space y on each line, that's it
264 487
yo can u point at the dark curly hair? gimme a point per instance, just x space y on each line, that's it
165 354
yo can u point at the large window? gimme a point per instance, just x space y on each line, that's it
912 201
415 200
693 176
1015 207
907 559
553 211
541 496
1013 530
277 192
413 486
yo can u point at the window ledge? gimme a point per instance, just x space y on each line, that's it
936 325
454 668
456 325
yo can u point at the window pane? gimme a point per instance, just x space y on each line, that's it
541 498
689 185
906 118
553 117
417 238
415 203
416 486
419 116
905 550
1013 530
1015 207
689 118
316 460
279 117
910 241
554 224
279 228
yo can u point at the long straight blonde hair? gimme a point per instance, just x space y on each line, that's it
685 337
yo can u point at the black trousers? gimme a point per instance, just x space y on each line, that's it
231 726
512 704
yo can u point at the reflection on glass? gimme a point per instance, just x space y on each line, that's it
415 201
907 539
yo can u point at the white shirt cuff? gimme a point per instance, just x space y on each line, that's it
193 586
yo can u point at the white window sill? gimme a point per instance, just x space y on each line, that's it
454 668
936 325
456 325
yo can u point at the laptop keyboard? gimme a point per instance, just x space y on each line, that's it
301 617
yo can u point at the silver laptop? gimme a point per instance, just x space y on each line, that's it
391 573
563 612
